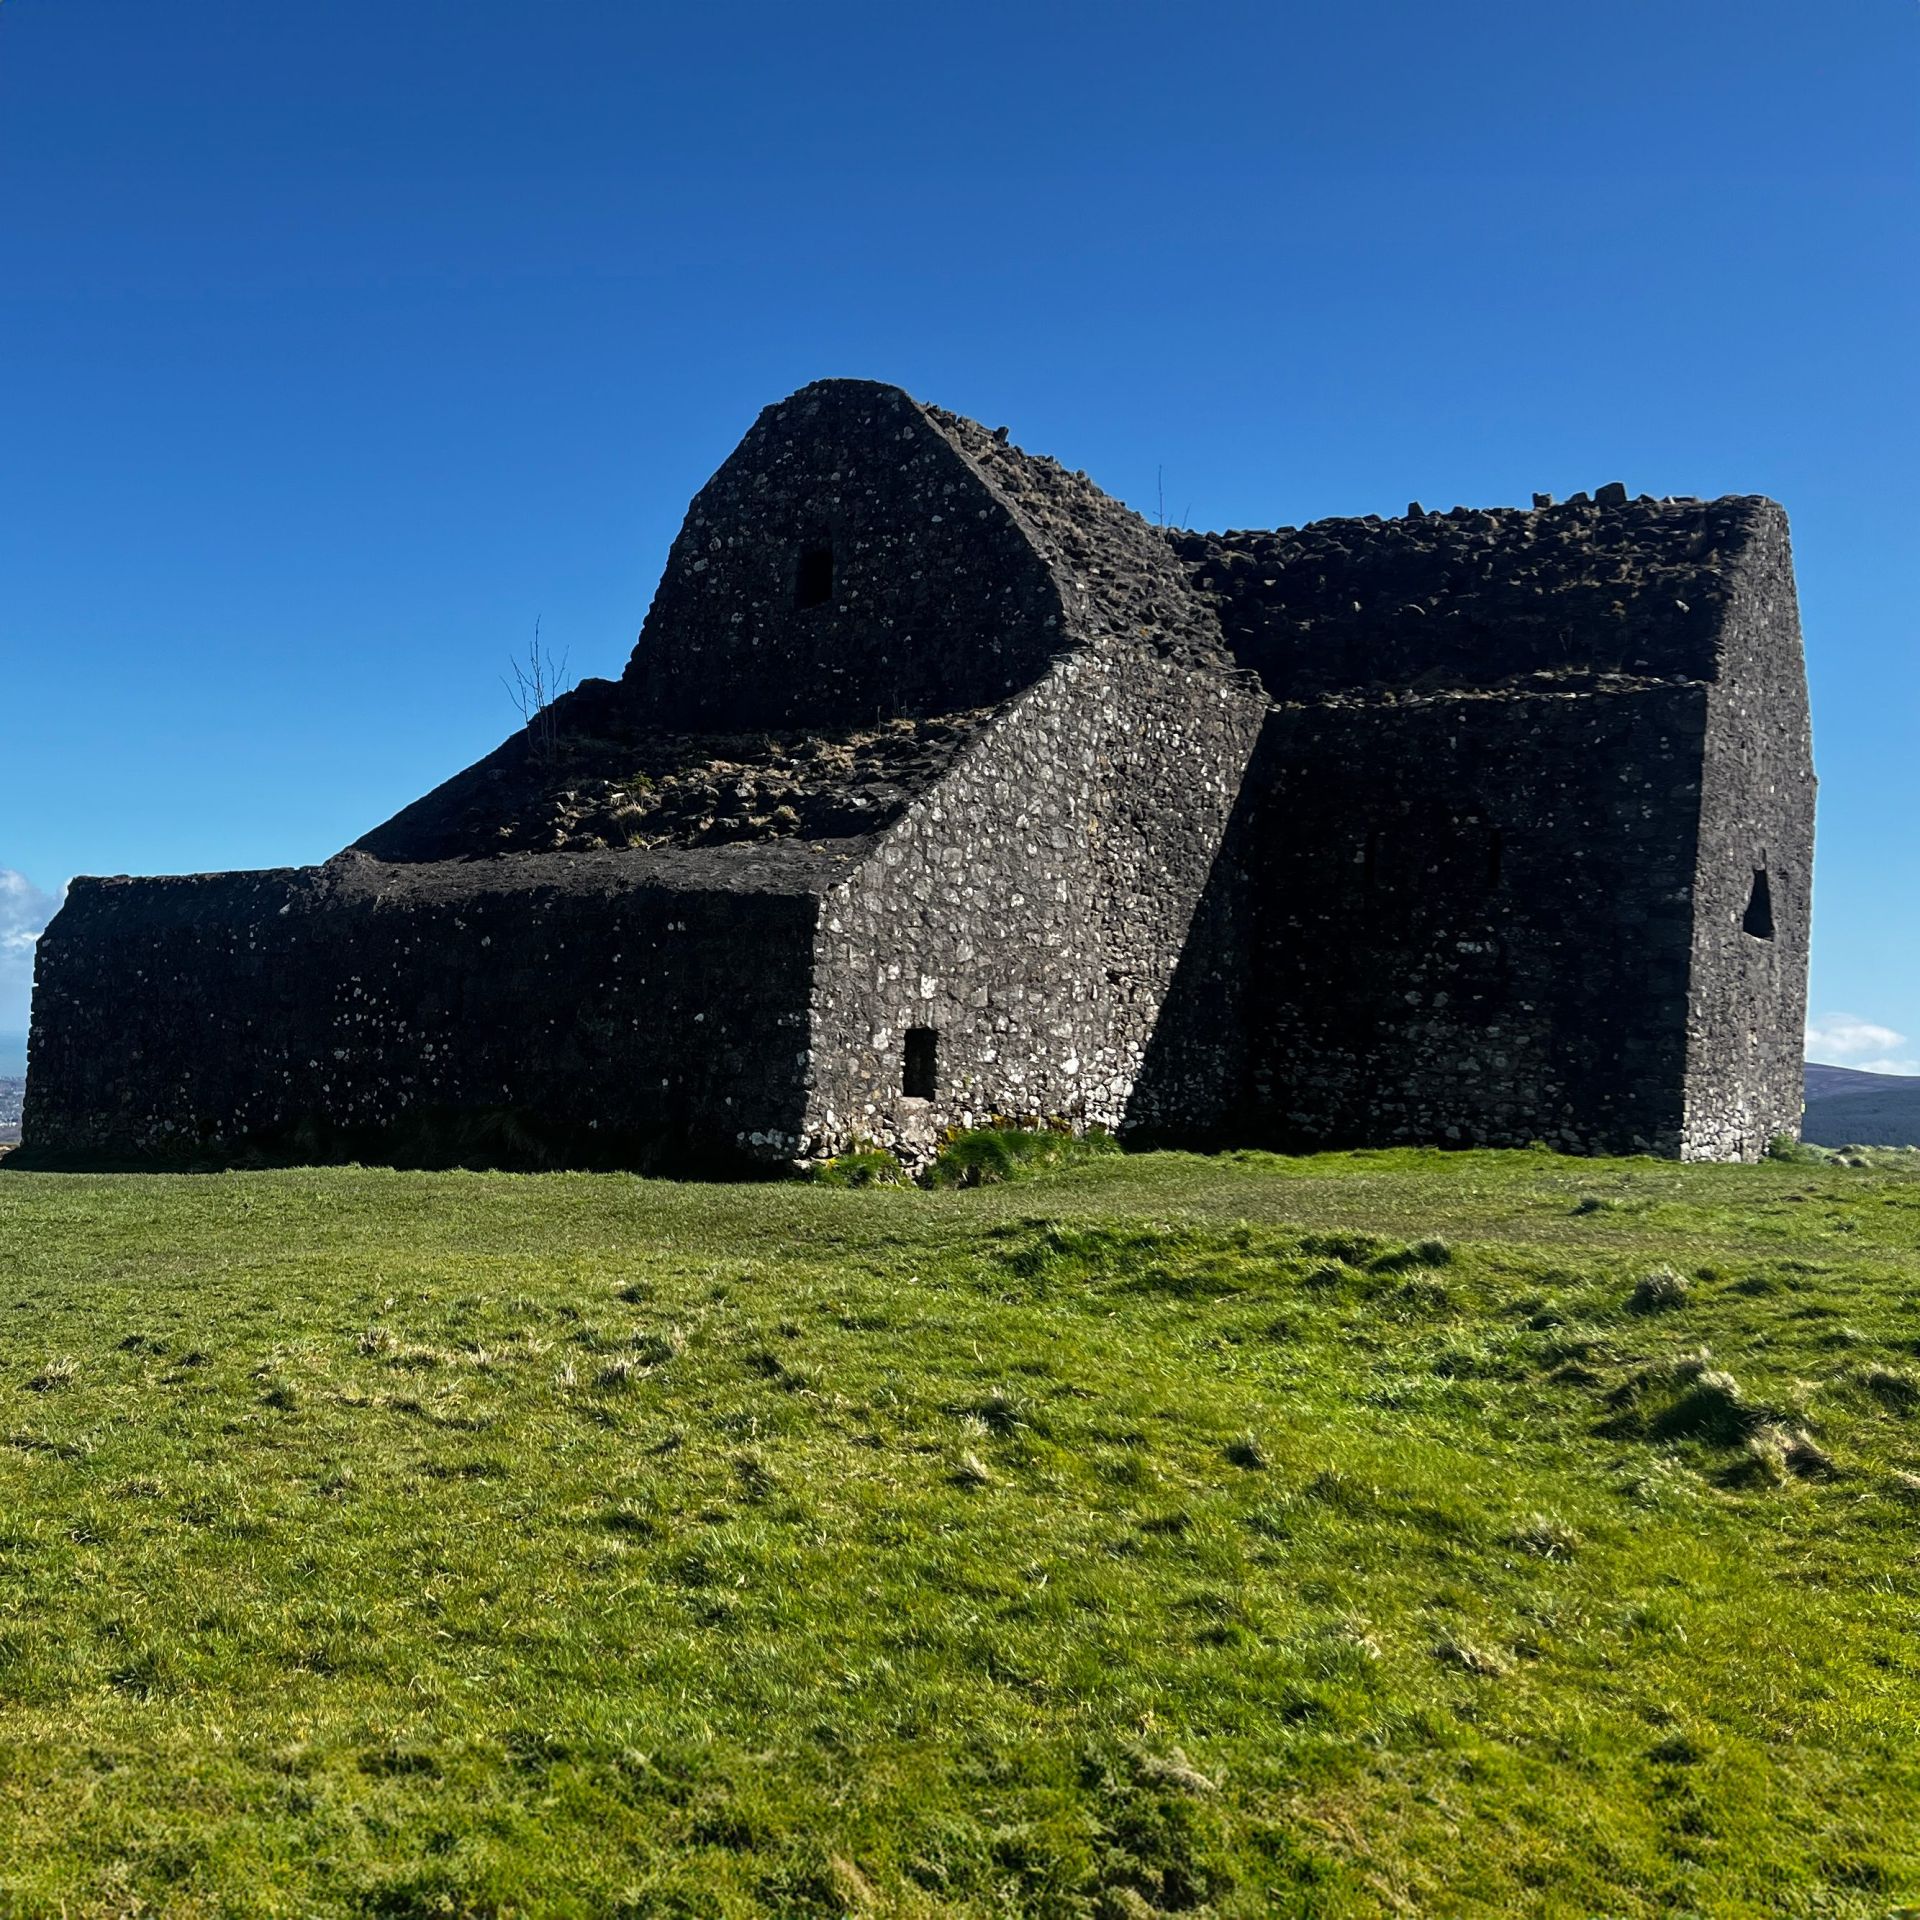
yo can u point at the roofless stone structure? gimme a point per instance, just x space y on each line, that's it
941 786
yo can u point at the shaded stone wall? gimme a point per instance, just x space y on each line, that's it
1032 910
1195 1083
1490 874
1470 919
935 600
1749 984
175 1015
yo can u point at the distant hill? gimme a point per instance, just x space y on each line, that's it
1846 1108
10 1091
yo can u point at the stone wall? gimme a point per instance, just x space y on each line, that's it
1032 910
1491 871
609 1002
1469 918
1749 979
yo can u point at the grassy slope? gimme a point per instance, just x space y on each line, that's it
466 1544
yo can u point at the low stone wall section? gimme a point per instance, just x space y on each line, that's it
181 1016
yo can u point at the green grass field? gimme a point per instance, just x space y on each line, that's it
1381 1533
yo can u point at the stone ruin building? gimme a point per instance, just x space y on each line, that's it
940 786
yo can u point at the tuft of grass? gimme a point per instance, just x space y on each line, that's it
278 1392
1547 1537
656 1347
1788 1151
1484 1663
862 1166
1172 1769
993 1155
1775 1453
1660 1291
1894 1387
1805 1455
1709 1406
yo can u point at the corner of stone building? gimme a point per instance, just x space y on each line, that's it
1022 923
1753 879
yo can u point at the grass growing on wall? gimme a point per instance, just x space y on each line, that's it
1367 1534
991 1155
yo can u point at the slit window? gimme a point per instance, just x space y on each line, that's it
1758 918
813 583
921 1068
1496 858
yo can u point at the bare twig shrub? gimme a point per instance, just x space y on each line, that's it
536 682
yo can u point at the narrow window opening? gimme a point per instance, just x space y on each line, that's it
1496 854
1758 919
923 1053
1370 860
813 584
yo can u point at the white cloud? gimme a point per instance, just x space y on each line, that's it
24 912
1836 1037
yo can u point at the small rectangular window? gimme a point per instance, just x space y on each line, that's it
813 583
918 1075
1758 918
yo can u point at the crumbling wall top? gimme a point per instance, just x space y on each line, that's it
1472 596
1116 574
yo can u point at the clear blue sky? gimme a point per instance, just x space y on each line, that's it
340 342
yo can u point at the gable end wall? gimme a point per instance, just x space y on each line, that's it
1033 907
1748 1001
938 601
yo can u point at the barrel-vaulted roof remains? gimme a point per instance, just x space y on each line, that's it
1611 589
662 758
